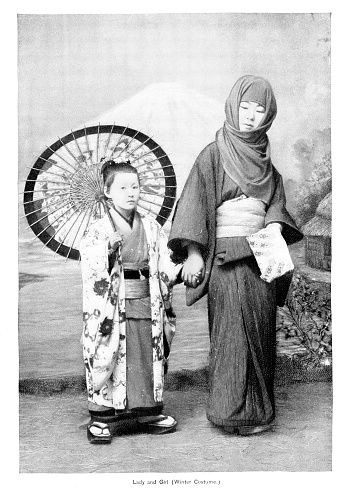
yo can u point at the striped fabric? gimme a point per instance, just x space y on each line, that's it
239 217
242 317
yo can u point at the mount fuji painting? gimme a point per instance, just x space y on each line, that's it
180 120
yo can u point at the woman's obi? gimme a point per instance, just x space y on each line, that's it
240 217
244 217
235 220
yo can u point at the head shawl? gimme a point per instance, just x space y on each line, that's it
246 154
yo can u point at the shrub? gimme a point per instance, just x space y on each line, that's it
313 190
307 318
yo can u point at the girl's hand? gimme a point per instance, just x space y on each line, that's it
193 268
114 240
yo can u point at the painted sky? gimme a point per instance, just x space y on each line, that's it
74 67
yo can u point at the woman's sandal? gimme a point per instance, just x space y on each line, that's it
247 430
157 425
98 432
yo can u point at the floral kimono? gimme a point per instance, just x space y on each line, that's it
104 304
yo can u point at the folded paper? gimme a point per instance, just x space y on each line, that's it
271 253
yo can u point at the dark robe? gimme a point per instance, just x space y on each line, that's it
242 307
139 359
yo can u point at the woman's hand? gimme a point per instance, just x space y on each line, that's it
194 267
275 227
114 240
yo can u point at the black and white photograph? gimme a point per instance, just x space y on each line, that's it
175 245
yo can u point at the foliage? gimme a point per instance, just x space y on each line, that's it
313 190
307 318
309 152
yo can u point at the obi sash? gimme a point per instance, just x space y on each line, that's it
136 288
239 217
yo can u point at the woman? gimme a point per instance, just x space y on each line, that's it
233 191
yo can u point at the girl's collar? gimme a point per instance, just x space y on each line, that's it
128 220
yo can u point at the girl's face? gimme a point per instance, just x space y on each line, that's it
250 115
124 192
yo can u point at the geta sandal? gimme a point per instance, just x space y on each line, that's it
157 425
98 432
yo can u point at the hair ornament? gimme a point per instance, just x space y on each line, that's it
112 162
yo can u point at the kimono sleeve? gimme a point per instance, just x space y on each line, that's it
168 277
97 285
168 270
277 212
190 220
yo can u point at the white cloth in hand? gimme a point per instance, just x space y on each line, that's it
271 253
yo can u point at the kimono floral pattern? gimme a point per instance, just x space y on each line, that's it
104 316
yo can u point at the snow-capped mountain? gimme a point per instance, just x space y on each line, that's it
177 118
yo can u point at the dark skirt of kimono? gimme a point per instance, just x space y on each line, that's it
242 315
139 343
139 358
242 307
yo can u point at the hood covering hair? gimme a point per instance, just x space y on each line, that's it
246 154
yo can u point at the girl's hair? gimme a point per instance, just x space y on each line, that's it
110 168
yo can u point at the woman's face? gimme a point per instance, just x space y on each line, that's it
250 115
124 191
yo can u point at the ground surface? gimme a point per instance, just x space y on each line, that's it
53 437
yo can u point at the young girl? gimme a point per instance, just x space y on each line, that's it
128 321
232 192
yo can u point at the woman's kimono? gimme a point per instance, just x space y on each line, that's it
241 306
108 367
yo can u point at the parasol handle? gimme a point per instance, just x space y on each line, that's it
108 213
